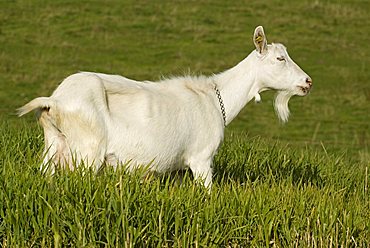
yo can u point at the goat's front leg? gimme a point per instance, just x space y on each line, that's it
202 171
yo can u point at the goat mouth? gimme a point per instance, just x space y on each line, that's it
304 90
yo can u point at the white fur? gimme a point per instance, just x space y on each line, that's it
98 118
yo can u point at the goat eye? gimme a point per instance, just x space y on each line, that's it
281 58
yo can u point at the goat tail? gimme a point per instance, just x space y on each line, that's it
39 103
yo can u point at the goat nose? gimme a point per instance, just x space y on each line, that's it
309 81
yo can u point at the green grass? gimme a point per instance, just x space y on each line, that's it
303 184
262 196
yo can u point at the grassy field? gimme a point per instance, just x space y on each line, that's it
302 184
262 196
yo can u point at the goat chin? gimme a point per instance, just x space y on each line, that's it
281 105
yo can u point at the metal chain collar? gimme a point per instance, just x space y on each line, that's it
221 104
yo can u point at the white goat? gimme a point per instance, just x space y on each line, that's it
177 123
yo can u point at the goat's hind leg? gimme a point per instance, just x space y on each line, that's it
70 144
56 150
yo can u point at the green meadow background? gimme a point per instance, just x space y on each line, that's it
301 184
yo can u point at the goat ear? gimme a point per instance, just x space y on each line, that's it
259 39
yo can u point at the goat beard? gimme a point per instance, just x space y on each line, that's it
281 105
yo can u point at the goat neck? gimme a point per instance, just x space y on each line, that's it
238 86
